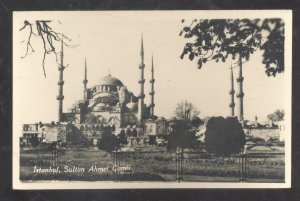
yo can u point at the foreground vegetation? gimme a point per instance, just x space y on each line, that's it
156 164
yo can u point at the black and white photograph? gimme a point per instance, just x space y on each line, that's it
152 99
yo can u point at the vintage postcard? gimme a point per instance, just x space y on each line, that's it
152 99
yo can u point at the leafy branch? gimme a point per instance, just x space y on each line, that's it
216 39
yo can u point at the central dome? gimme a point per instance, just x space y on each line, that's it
110 80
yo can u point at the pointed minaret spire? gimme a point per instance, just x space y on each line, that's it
240 94
231 93
85 81
141 83
142 50
152 92
109 74
60 83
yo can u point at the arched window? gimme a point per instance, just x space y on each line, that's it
128 132
97 128
134 133
93 127
122 132
81 128
86 128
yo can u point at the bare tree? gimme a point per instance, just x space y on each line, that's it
186 111
278 115
42 30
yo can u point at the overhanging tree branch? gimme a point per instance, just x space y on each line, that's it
48 37
217 38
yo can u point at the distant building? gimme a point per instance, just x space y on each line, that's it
29 132
43 133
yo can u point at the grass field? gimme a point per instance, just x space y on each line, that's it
156 164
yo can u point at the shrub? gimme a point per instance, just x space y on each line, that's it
182 136
108 141
34 141
122 137
75 137
224 136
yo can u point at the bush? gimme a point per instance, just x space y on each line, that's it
182 136
108 142
34 141
75 137
274 141
256 140
122 138
224 136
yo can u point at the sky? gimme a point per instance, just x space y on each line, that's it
111 40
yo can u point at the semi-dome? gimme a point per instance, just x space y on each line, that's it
110 80
104 94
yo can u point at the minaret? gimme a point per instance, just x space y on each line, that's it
141 82
152 92
240 94
60 83
85 81
231 93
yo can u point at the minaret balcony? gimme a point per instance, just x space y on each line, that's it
85 81
142 96
231 104
142 81
60 82
60 97
231 92
152 105
240 79
141 66
152 93
240 95
152 81
61 68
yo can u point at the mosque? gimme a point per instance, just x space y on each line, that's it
110 102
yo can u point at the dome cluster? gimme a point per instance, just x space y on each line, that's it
108 84
110 98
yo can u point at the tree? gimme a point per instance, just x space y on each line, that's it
42 30
108 142
34 141
224 136
122 137
90 119
278 115
217 39
75 137
196 122
182 135
186 111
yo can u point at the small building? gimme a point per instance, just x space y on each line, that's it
29 132
43 133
